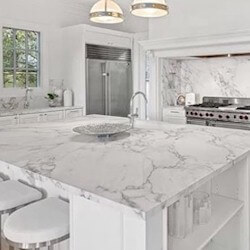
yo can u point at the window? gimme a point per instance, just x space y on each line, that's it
21 58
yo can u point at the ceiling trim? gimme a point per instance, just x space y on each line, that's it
233 38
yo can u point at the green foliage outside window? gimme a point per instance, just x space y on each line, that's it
21 58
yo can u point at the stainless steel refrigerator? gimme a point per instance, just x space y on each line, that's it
109 82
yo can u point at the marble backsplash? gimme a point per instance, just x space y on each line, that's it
226 77
17 103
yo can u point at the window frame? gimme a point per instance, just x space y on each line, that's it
26 50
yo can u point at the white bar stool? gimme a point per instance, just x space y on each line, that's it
41 224
13 195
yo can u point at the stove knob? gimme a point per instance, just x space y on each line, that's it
241 117
191 113
246 117
186 113
227 116
195 113
207 114
220 116
201 115
211 115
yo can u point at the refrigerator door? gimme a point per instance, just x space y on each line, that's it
119 88
96 87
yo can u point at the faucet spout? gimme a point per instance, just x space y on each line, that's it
133 115
27 97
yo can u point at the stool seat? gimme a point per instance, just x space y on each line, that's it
42 221
15 194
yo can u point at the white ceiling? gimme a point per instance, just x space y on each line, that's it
131 23
124 4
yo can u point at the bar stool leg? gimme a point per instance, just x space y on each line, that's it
0 231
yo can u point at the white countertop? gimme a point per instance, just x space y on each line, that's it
32 111
144 169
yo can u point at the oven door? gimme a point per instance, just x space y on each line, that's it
233 125
194 121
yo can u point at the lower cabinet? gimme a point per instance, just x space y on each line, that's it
52 116
8 120
73 113
29 118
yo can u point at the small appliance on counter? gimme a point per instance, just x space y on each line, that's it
228 112
174 115
68 98
191 99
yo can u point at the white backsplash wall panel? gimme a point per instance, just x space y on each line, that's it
226 77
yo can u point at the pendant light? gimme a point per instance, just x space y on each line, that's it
106 11
149 8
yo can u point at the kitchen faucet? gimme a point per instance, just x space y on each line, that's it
133 115
27 98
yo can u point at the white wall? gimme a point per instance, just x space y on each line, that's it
201 17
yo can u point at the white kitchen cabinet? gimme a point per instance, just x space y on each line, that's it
73 113
29 118
52 116
174 115
42 116
103 38
8 120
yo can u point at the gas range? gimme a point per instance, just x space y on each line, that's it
220 112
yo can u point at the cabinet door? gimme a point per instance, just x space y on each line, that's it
29 118
108 39
53 116
73 113
8 120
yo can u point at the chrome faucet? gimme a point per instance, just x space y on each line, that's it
133 115
27 98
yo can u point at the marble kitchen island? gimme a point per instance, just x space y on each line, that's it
120 190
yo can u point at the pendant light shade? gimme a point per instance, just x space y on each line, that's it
149 8
106 11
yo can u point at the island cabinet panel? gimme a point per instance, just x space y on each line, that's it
228 228
97 226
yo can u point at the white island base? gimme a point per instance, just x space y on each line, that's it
96 226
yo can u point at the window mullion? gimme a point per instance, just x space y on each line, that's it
26 58
14 64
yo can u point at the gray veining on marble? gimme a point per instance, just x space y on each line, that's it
141 170
16 104
226 77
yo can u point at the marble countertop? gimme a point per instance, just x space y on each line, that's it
144 169
32 111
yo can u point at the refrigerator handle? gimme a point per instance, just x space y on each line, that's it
106 94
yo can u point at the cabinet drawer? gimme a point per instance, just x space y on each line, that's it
8 120
29 118
53 116
73 113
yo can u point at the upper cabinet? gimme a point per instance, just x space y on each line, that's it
107 37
